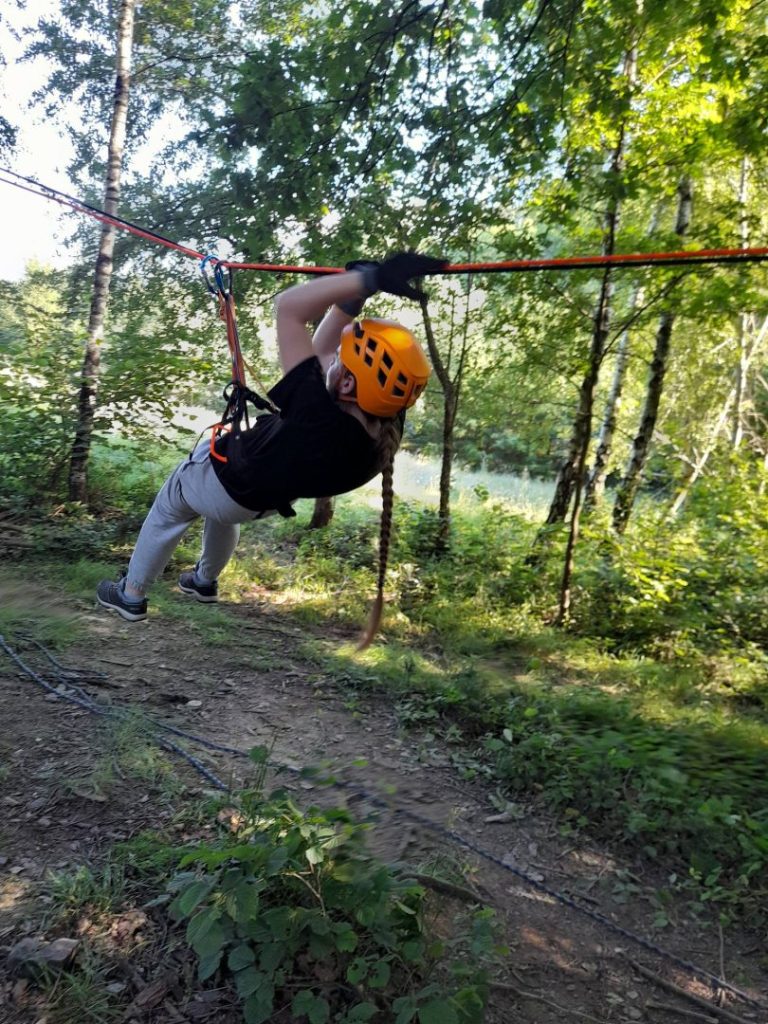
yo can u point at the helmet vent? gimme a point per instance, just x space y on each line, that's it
402 379
368 359
357 349
382 377
397 392
371 344
387 360
359 332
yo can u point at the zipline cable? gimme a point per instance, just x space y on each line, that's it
681 257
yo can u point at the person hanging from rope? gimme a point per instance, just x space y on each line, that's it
340 410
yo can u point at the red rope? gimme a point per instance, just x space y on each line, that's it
637 259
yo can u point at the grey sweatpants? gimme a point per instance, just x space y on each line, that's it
192 490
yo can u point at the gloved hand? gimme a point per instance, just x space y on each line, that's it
394 273
354 307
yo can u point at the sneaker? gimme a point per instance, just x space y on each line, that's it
110 595
208 593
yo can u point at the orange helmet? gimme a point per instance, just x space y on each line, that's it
389 367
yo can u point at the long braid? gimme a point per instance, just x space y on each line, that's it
389 442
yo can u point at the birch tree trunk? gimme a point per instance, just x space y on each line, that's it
596 481
450 408
696 467
629 486
570 474
571 479
754 344
78 467
737 431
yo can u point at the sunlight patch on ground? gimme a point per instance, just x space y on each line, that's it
12 892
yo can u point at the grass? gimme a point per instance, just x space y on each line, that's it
644 723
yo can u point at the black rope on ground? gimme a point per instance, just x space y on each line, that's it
86 702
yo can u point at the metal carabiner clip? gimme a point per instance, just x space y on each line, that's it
211 285
224 286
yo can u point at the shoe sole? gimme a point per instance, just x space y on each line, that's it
122 612
197 595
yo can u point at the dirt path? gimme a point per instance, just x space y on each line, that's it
56 815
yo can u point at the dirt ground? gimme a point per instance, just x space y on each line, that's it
562 965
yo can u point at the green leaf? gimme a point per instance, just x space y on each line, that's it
249 981
357 970
314 855
277 919
187 900
259 1007
272 955
240 957
413 950
362 1012
319 1012
379 976
346 940
208 965
302 1002
405 1008
200 925
209 941
244 901
277 860
439 1011
319 924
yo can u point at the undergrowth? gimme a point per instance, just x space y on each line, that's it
645 721
288 910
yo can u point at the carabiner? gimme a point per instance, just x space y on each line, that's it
209 284
218 273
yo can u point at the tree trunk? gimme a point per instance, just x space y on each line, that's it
78 468
737 431
450 408
698 464
322 513
570 476
571 479
596 481
629 486
574 470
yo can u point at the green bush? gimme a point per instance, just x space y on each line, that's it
297 913
692 792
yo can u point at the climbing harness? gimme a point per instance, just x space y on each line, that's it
237 393
69 690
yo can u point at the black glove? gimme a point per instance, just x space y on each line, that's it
354 307
394 273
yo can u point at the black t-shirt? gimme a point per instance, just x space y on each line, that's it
310 449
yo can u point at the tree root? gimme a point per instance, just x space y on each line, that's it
718 1012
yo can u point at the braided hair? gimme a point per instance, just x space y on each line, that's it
389 442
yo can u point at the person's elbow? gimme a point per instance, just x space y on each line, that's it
281 303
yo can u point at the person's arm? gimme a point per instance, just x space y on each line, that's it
327 337
298 306
305 303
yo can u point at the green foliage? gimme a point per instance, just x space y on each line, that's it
40 353
295 910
